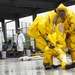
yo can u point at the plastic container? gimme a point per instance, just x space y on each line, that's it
28 52
3 54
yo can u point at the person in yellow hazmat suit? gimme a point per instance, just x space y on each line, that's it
40 28
57 48
67 17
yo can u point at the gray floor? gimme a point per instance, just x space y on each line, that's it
11 66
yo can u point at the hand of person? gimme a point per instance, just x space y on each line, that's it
24 43
46 38
51 46
14 44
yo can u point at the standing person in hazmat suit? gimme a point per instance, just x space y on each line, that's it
19 40
57 48
67 17
1 42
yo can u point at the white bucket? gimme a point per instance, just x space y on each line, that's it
3 54
28 52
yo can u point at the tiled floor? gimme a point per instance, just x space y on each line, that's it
11 66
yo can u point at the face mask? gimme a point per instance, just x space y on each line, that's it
61 28
62 14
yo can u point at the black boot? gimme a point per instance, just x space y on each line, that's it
55 66
73 65
68 66
47 66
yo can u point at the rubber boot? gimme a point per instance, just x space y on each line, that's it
55 66
68 66
47 66
73 65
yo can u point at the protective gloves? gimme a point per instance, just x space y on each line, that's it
51 46
46 38
24 43
14 44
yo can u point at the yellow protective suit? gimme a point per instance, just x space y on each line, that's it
40 28
46 25
56 39
69 23
33 32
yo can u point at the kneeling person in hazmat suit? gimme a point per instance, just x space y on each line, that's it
56 48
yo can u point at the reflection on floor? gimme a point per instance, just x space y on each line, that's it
11 66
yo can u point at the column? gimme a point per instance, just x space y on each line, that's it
34 16
17 24
4 30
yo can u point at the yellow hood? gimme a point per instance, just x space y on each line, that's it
50 15
61 7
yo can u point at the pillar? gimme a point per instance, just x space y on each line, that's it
34 16
17 24
4 30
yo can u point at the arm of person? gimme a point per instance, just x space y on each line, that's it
71 23
52 39
42 27
23 39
